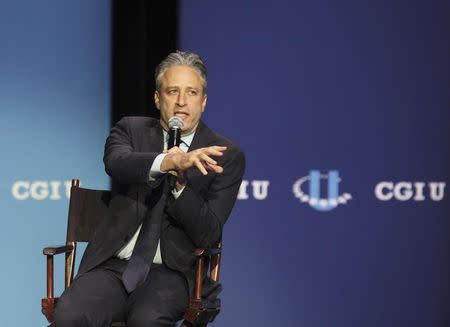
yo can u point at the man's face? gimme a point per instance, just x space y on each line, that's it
181 94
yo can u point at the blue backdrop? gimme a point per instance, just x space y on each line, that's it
356 91
54 102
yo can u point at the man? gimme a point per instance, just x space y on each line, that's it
139 267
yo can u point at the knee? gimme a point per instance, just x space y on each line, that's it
67 318
68 315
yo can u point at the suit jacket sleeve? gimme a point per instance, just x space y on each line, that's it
203 214
122 163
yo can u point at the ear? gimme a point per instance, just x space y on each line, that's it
205 98
156 98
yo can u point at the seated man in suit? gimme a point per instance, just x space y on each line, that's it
139 267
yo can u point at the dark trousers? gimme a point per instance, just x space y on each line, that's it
98 297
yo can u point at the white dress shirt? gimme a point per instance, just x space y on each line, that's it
155 172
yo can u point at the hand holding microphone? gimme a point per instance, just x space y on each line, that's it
178 161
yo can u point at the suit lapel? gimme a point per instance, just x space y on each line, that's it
203 137
153 139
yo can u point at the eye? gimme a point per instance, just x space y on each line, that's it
172 91
192 92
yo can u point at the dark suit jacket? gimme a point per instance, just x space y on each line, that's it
193 220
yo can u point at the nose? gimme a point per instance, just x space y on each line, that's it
181 99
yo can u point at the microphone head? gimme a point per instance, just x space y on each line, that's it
175 122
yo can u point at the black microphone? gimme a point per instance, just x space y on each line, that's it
175 126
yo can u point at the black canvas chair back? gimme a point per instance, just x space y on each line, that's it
87 209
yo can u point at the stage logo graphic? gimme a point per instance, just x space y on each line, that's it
410 191
259 189
314 198
41 190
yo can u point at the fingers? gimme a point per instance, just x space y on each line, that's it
206 163
215 168
209 163
200 159
205 166
207 159
200 167
214 150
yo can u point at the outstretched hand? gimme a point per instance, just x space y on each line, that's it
201 159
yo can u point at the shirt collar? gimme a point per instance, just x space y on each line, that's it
186 139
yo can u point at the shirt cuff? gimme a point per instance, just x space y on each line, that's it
155 169
176 193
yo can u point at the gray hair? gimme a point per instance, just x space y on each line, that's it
181 58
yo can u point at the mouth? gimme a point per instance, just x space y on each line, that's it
181 114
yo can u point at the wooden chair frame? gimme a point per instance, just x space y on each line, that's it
200 311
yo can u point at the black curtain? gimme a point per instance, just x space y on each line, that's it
143 33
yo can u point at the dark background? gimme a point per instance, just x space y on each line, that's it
143 33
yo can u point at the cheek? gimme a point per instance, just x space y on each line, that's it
165 107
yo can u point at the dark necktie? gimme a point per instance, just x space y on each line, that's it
144 250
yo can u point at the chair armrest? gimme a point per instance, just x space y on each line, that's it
52 250
201 311
48 303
